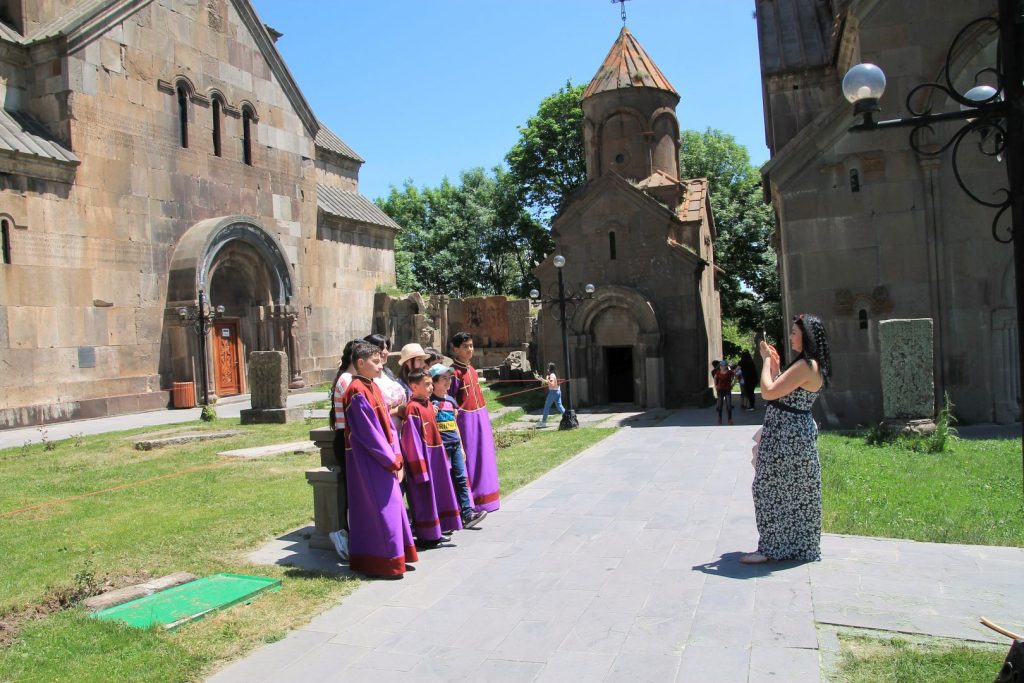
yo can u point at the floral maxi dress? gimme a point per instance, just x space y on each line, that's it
787 480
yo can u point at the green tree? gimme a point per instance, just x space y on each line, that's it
462 240
745 223
547 162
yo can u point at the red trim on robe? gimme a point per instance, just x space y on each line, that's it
374 399
469 395
382 566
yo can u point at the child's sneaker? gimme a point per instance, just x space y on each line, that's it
470 521
340 540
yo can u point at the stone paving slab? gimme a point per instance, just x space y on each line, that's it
273 449
622 564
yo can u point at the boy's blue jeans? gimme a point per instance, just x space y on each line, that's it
554 398
458 459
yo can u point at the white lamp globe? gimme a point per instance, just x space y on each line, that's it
589 289
863 82
979 94
559 261
534 294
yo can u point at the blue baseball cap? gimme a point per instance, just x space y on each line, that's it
438 369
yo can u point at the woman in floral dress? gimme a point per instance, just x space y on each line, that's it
787 474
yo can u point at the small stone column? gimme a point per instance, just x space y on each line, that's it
329 492
268 386
908 381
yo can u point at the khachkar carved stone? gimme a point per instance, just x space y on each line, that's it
908 383
268 387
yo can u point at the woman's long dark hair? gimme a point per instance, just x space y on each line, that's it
384 344
346 360
815 344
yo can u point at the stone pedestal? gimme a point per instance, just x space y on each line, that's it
329 493
255 416
324 481
908 383
268 386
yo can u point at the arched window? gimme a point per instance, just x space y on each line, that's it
247 121
611 244
216 126
183 116
862 316
6 229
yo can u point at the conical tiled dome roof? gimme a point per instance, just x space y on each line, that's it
627 66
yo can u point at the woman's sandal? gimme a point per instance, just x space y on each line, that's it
753 558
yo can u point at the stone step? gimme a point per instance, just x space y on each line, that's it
273 449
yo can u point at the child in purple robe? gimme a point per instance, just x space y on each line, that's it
432 501
447 411
380 539
475 426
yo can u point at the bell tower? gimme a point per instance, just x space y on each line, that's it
630 125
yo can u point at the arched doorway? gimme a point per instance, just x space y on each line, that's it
242 271
623 348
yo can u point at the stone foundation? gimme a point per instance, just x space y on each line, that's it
30 416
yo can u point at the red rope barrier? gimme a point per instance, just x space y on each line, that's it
526 391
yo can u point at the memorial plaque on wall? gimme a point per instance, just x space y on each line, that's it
86 356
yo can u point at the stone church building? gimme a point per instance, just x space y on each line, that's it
151 151
644 238
869 230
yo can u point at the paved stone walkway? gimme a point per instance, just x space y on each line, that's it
620 565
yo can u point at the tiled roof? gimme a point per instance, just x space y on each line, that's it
796 34
692 208
351 205
657 179
21 135
627 66
326 139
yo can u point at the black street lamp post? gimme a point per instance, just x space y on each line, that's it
199 319
569 420
993 109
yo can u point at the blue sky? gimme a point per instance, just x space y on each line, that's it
426 89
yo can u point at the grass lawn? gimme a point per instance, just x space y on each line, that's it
203 521
969 494
867 660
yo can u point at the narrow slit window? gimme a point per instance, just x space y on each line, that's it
247 137
6 229
182 116
611 245
216 127
862 316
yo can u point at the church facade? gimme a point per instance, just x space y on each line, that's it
645 239
154 155
869 229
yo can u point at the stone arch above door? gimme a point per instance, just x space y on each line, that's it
197 252
621 318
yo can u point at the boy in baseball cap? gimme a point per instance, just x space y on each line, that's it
447 409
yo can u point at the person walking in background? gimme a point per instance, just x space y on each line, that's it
554 397
724 378
749 371
787 472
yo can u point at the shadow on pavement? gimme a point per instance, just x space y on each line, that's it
729 566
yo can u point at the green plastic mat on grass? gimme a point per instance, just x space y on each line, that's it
188 602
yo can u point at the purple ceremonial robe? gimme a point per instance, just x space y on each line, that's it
380 540
477 437
431 494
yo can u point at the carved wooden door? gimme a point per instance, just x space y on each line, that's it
225 358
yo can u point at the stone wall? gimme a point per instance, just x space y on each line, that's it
870 231
84 313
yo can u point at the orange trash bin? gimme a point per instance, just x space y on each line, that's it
183 394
